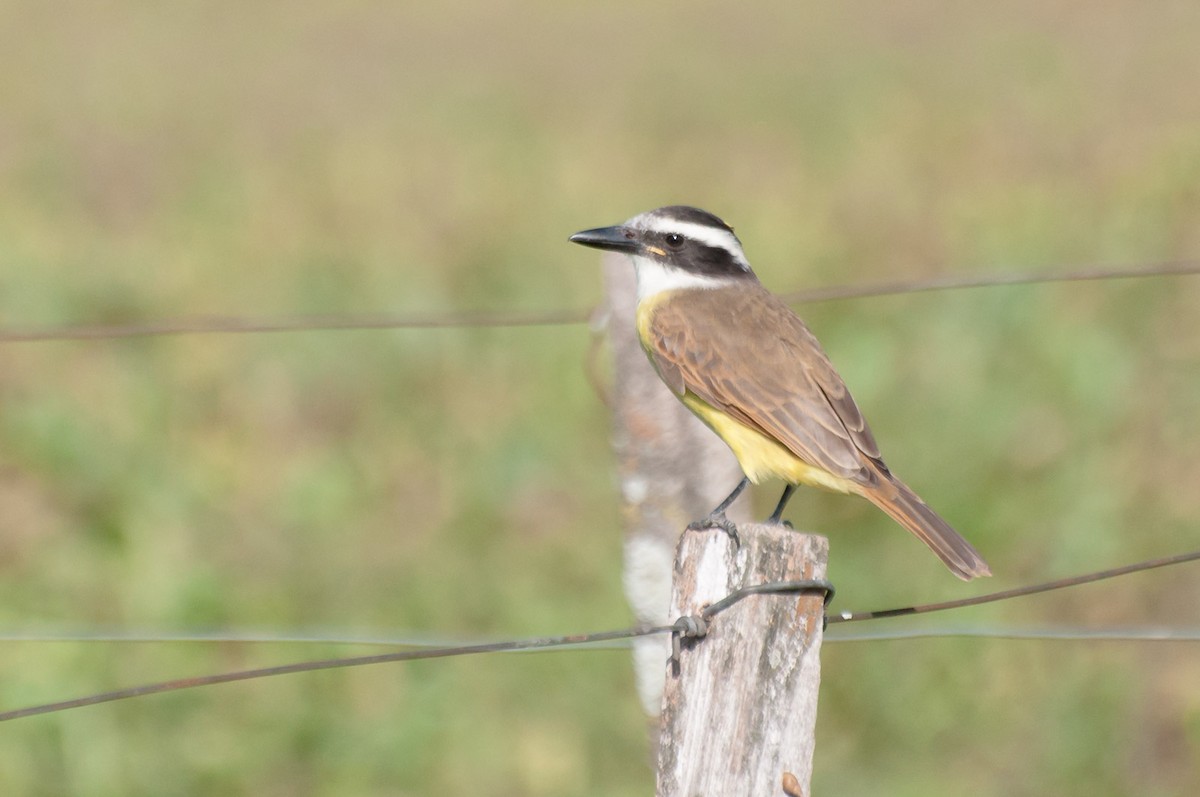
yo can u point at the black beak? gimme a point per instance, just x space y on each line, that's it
615 239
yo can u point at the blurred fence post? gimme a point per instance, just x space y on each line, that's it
672 470
739 717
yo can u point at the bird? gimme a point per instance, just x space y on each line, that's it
740 359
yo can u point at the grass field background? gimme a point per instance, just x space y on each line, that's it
274 158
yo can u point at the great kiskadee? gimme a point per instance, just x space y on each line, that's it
741 360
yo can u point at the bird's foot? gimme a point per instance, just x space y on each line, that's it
776 519
717 520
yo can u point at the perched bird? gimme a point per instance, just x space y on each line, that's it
740 359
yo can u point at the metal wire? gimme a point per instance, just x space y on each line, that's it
330 664
222 324
1019 592
689 626
1126 633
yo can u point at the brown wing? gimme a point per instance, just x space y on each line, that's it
745 352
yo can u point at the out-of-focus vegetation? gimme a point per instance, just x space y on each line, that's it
278 158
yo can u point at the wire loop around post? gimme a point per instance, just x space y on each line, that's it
696 626
801 586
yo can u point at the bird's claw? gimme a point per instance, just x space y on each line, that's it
717 521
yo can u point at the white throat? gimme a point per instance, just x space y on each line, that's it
654 278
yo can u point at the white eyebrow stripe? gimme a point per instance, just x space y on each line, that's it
709 236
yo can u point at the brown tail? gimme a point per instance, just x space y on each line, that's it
906 508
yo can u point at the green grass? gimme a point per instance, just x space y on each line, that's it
283 158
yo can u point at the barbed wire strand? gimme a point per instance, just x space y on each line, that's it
1028 633
331 664
584 639
1166 268
229 324
1060 632
1019 592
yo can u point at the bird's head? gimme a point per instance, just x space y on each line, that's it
674 247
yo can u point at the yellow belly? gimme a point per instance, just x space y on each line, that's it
760 456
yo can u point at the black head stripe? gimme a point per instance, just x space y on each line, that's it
710 261
693 215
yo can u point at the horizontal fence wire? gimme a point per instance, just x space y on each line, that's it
232 324
1060 632
683 625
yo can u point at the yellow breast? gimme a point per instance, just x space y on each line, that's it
644 314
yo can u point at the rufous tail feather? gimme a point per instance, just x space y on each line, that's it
907 509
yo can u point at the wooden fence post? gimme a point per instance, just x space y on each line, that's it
739 716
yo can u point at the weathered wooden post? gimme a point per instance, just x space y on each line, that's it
739 715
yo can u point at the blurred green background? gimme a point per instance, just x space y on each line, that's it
271 158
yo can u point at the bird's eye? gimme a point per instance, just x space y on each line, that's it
673 239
